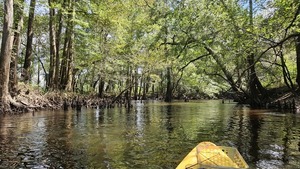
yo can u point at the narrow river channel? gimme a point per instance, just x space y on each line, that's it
152 135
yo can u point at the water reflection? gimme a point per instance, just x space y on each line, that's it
150 135
267 143
254 127
169 115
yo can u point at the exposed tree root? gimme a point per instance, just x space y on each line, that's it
31 99
27 99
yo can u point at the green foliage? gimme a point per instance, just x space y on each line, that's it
113 38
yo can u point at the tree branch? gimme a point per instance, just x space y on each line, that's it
271 47
177 82
217 74
293 21
277 44
191 61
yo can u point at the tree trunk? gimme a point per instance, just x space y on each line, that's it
5 55
50 79
146 88
141 86
227 74
144 91
69 76
153 91
67 62
161 89
101 88
63 68
256 90
253 83
18 25
28 55
136 85
285 71
298 60
57 44
128 86
148 84
168 97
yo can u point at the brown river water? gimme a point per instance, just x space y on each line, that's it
152 135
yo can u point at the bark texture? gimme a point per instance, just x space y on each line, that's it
28 56
298 60
5 55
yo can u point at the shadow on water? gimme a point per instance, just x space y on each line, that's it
149 135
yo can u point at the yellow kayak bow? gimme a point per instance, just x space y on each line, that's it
209 155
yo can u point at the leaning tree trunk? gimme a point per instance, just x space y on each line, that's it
28 54
228 75
298 60
5 55
285 71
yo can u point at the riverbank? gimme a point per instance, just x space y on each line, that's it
29 98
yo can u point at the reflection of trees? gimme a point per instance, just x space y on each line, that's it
21 141
212 121
169 116
133 147
237 119
263 138
289 122
149 134
60 138
6 147
254 128
245 125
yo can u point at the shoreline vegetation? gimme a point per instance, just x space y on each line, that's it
30 99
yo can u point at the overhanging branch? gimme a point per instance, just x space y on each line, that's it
200 57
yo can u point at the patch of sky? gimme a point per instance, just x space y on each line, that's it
260 7
41 7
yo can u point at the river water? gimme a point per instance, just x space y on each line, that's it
152 135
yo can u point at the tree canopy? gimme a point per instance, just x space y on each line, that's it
160 48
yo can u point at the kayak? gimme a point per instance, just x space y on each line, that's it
209 155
